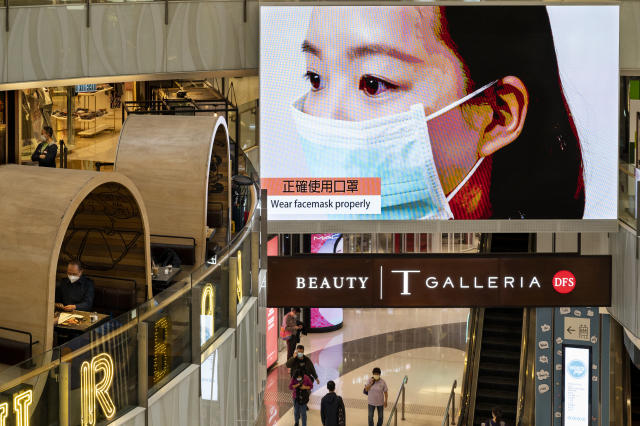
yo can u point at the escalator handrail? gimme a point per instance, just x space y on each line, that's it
452 396
394 408
470 376
524 363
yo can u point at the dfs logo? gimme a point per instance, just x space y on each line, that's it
564 282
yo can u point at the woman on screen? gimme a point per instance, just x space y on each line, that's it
459 110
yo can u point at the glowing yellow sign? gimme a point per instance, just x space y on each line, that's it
4 413
239 277
21 402
207 308
90 391
161 352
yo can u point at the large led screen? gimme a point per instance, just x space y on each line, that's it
439 112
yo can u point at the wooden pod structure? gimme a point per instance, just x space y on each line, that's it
181 166
51 216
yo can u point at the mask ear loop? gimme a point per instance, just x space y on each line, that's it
449 108
461 101
465 180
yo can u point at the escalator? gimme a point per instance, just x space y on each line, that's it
492 373
499 366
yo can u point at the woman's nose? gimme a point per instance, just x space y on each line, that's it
337 106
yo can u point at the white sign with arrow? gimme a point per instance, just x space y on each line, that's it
577 329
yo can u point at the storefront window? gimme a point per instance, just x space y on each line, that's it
88 118
629 165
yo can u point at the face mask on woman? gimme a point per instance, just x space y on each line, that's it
300 355
73 278
396 148
299 379
376 377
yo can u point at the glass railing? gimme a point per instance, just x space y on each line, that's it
115 367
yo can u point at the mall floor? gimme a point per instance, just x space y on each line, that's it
426 345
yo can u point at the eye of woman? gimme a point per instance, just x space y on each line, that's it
374 86
314 80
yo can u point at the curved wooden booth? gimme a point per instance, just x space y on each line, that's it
50 216
181 166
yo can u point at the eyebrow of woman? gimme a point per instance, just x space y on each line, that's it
366 50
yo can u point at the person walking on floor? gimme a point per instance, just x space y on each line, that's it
301 385
291 325
332 412
377 395
299 361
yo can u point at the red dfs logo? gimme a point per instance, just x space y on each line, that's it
564 282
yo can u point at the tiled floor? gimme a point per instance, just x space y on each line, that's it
426 345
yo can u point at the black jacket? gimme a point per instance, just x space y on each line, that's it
329 409
50 153
305 364
79 293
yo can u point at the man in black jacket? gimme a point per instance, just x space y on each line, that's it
332 412
300 361
74 293
45 153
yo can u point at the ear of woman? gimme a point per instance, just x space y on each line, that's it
503 116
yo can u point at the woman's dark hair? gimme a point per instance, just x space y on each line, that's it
48 130
540 174
299 373
497 412
376 370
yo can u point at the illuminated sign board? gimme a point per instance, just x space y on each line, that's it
349 280
84 88
406 113
207 309
161 349
272 336
239 277
21 401
577 382
96 392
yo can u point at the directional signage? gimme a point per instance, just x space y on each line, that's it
329 281
577 329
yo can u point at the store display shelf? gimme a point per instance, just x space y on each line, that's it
108 116
95 130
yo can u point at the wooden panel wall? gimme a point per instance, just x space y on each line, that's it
37 206
167 157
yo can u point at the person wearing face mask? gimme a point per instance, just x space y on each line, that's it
377 395
301 385
75 292
454 127
299 361
45 153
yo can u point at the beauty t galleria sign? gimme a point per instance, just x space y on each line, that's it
438 280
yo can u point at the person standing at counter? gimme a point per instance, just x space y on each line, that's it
76 291
45 153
